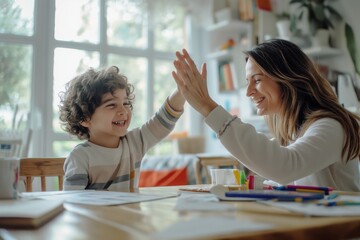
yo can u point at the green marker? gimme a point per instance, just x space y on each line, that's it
242 180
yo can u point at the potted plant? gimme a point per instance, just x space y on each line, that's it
319 14
283 26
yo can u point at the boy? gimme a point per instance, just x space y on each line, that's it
97 106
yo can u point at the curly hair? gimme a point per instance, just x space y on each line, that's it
83 95
306 95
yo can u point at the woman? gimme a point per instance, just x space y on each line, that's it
317 141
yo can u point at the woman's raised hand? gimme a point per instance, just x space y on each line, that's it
192 84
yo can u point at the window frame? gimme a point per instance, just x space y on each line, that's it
44 44
43 69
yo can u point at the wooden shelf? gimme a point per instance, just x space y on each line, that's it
218 35
229 26
322 52
220 55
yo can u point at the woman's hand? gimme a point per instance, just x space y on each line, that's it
192 84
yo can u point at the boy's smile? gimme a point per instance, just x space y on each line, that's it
110 120
119 123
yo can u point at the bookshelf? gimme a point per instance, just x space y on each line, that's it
219 58
322 52
229 61
240 27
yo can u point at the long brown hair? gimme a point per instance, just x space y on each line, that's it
306 95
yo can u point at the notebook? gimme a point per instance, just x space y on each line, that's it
28 213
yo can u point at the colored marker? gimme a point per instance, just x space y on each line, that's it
309 190
339 203
236 176
309 187
300 188
242 177
332 196
251 181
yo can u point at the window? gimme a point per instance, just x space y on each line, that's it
16 29
41 52
127 23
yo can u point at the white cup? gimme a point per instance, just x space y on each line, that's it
9 176
222 176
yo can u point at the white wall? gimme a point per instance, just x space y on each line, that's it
349 10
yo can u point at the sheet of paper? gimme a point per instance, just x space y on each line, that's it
198 197
203 206
202 227
220 190
190 188
312 209
90 197
196 201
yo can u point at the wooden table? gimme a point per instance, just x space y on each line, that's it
139 220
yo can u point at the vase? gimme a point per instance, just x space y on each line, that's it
283 27
321 38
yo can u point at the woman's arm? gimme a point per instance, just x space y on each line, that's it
320 147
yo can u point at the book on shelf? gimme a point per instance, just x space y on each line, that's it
227 76
30 213
246 10
234 75
222 81
229 81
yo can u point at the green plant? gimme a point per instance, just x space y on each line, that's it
286 16
352 49
319 13
283 16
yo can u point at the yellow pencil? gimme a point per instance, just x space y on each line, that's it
237 176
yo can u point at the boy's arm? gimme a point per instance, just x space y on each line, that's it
176 101
158 126
162 123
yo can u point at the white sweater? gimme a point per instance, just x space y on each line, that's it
313 159
90 166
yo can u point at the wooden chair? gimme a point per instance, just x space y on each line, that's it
41 167
215 161
187 145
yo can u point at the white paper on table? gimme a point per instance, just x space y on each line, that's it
203 206
198 197
90 197
202 227
312 209
197 201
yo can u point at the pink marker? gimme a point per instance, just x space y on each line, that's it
251 181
